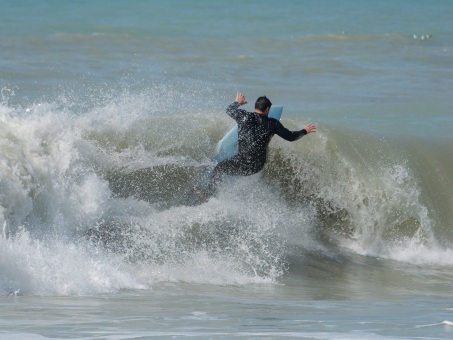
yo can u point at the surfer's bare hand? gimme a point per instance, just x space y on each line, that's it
310 128
240 99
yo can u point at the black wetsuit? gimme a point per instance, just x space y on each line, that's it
255 131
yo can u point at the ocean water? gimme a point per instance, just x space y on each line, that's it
109 110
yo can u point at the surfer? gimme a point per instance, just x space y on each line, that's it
255 131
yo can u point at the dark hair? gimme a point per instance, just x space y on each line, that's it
262 103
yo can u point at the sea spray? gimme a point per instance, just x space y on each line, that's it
363 193
89 199
79 235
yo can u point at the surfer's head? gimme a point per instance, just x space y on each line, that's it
263 105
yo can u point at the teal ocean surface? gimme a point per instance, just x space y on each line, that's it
109 110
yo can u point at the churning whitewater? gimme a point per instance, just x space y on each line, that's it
89 199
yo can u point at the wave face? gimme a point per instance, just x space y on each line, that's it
89 198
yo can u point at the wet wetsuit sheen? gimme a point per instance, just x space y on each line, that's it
255 131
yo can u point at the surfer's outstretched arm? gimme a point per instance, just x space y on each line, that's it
233 109
292 136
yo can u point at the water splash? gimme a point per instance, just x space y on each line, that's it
87 200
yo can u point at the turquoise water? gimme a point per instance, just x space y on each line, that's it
365 64
109 111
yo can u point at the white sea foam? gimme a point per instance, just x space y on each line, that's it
68 231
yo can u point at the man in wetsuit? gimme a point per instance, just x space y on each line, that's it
255 131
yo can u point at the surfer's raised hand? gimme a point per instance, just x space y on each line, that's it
240 99
310 128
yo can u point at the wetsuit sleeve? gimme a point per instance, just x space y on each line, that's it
288 135
234 112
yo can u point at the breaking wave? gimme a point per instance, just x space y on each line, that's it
89 199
